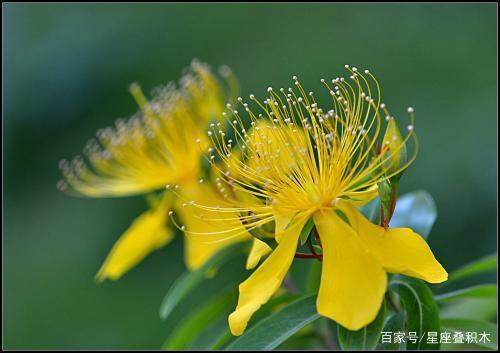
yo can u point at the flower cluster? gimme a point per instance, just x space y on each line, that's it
152 149
282 172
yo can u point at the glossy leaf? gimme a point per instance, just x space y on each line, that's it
393 323
415 210
314 277
198 320
482 291
279 326
365 338
477 309
483 265
267 309
486 333
189 280
422 314
222 340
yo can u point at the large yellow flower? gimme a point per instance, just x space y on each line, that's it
159 146
300 163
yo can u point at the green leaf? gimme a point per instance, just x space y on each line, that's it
304 234
393 323
365 338
189 280
342 215
264 311
477 309
483 265
467 325
305 339
415 210
481 291
222 341
198 320
421 310
276 328
314 277
211 334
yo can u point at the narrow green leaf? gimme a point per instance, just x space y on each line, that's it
342 215
421 309
222 341
483 265
486 333
274 303
314 277
189 280
276 328
393 323
481 291
304 340
304 234
477 309
198 320
211 334
365 338
415 210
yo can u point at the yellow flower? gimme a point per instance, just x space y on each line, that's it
157 147
300 162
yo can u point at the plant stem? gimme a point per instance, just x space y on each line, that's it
301 255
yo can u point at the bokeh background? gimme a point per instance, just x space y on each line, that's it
66 73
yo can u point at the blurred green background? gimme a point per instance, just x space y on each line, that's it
66 73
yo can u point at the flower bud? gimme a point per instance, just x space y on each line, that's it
394 148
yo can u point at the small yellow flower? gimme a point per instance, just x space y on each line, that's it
299 162
160 146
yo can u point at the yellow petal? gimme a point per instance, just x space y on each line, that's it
360 198
353 282
197 253
282 219
147 233
266 280
258 250
399 250
223 228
